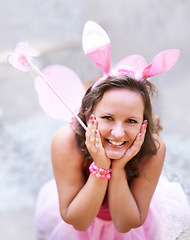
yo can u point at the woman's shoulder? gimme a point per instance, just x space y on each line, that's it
160 144
64 143
64 135
155 162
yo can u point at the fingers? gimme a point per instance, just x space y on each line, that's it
98 139
140 136
94 144
143 127
143 130
92 128
136 146
92 134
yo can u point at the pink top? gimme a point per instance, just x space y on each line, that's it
104 212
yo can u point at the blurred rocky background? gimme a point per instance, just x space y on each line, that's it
55 28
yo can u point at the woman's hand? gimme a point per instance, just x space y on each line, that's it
94 145
133 150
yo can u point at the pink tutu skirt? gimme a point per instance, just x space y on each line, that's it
168 214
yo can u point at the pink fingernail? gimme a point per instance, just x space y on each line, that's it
91 117
96 132
139 134
93 121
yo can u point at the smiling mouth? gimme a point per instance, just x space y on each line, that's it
115 143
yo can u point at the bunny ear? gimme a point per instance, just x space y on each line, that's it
162 62
132 62
97 46
69 87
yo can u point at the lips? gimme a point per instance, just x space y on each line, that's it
114 143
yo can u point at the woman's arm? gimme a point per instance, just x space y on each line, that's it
129 203
79 201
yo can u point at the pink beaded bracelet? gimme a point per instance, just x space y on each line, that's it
95 170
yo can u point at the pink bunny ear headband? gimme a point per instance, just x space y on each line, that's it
97 46
56 84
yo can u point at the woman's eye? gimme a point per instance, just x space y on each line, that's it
107 117
131 121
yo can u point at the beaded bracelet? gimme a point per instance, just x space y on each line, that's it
96 171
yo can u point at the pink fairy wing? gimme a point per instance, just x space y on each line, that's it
97 46
162 62
69 87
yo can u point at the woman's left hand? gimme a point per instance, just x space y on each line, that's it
132 150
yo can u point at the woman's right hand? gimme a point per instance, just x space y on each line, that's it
94 144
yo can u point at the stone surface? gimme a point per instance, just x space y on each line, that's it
55 27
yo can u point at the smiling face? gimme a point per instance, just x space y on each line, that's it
119 115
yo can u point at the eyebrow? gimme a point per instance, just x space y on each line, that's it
105 113
135 117
110 114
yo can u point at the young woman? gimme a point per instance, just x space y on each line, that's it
108 183
108 178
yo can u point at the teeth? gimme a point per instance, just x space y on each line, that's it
115 143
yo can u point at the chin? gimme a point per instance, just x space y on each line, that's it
114 155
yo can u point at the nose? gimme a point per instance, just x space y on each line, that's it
118 131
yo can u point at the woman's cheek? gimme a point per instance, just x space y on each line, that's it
133 131
101 126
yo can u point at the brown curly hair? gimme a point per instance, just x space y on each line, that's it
92 97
